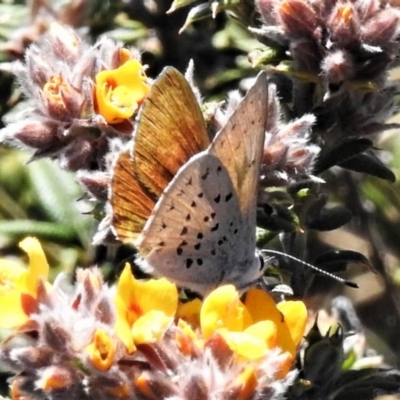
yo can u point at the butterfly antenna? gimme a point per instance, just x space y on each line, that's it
313 267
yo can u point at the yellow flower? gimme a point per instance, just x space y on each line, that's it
135 299
118 92
190 312
254 327
18 285
150 327
222 308
101 350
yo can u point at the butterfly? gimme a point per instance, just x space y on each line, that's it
171 130
201 232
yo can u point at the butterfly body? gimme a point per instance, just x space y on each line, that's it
201 232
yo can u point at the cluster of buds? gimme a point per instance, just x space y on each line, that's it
339 56
137 340
82 96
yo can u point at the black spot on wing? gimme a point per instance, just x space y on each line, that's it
215 227
205 175
228 197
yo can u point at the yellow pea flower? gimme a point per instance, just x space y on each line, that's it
18 285
101 350
119 92
135 299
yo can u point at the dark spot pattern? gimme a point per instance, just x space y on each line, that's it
215 227
179 251
199 261
200 235
197 246
188 217
219 169
235 231
200 195
220 242
184 231
183 243
189 262
228 197
213 215
163 225
193 204
217 199
206 218
213 252
205 175
161 244
189 182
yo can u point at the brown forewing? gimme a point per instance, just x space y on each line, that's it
131 202
171 130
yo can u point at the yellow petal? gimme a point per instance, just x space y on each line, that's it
38 266
11 312
119 91
222 308
139 297
295 313
186 329
123 327
244 345
16 282
150 327
263 307
101 350
190 312
264 330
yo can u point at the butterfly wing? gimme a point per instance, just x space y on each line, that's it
239 145
131 203
171 130
196 227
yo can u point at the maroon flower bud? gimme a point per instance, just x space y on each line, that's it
37 134
382 28
344 24
267 10
96 183
297 18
